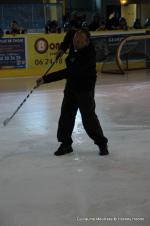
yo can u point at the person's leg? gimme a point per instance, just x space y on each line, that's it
66 123
90 121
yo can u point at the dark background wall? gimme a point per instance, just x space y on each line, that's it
27 15
83 5
20 1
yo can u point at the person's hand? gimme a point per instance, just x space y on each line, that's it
40 81
59 54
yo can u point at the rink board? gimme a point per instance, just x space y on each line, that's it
38 51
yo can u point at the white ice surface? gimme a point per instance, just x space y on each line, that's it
39 189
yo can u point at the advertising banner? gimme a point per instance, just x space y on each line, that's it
43 49
106 46
32 54
12 53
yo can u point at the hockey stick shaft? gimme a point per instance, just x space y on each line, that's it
25 99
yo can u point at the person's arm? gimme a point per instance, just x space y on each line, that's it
67 41
52 77
65 44
55 76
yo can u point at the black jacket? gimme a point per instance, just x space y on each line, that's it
80 72
81 66
68 41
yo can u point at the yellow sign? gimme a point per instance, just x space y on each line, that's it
42 50
40 53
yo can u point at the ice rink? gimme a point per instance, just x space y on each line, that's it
82 188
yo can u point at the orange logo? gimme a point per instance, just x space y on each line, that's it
41 45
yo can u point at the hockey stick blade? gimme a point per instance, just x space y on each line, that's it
6 122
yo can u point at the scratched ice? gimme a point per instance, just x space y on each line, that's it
39 189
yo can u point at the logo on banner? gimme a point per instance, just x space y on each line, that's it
41 45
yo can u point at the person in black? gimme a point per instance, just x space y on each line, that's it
14 28
95 23
80 74
1 33
137 24
113 22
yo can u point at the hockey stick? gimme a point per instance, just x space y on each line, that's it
25 99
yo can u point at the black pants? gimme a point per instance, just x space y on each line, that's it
86 104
